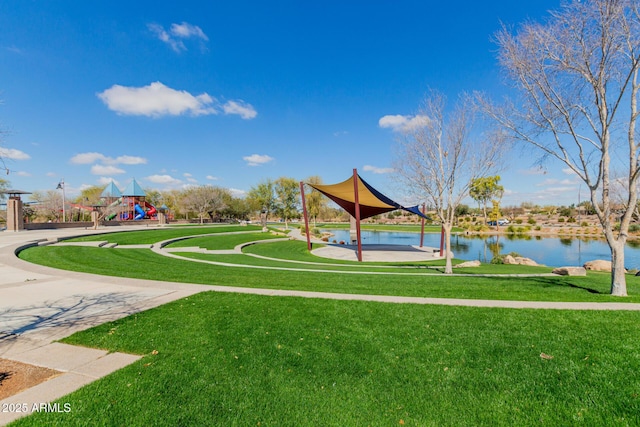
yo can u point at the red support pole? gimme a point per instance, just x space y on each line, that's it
422 227
442 240
357 212
306 217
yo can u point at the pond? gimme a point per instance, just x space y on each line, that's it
551 251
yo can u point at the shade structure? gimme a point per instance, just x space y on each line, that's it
371 201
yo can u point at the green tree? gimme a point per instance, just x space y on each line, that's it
237 208
262 198
485 189
287 191
315 200
153 197
89 196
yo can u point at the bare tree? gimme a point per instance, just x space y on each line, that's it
47 205
439 160
204 199
577 77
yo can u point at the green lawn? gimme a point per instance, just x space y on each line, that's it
223 240
145 264
243 360
233 359
139 237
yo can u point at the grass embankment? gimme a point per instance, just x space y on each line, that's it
144 237
145 264
232 359
224 241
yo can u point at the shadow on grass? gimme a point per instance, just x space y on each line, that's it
554 282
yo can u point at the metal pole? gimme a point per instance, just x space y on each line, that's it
306 217
357 212
64 202
422 227
61 187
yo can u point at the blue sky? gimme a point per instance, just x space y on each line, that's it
233 93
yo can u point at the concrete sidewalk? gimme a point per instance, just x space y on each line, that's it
39 305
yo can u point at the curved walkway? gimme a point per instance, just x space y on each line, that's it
39 305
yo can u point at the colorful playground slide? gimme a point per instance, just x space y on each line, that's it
141 212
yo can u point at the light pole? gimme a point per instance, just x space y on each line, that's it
61 187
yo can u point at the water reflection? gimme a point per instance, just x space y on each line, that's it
551 251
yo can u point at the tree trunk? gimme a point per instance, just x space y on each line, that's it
618 278
448 268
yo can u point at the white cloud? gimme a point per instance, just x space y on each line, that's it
23 173
399 123
533 171
13 154
257 159
212 178
105 165
241 108
377 170
186 30
558 190
106 180
106 170
14 49
176 34
553 181
187 174
568 171
156 100
51 174
127 160
163 179
87 158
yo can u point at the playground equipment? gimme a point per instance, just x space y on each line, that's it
127 205
141 213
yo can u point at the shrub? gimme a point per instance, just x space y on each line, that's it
538 228
584 224
517 230
531 221
561 219
571 219
518 221
499 259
